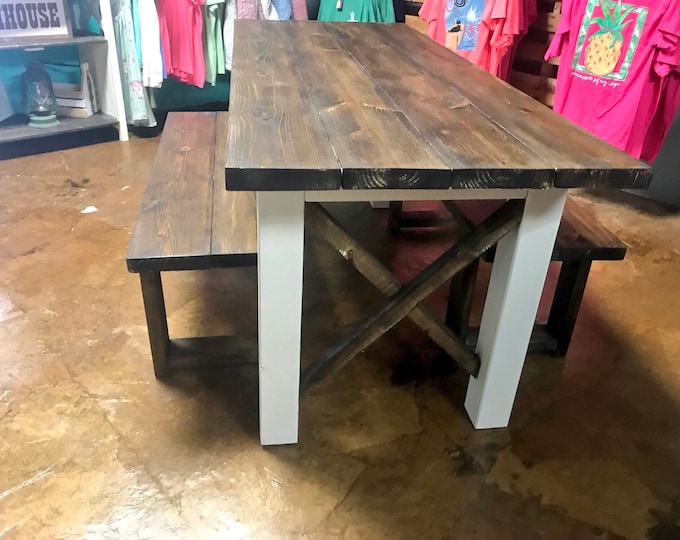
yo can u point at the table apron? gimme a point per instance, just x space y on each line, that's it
358 195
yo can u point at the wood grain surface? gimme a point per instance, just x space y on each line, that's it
188 220
276 140
173 225
329 105
234 215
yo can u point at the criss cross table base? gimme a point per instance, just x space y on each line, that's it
404 300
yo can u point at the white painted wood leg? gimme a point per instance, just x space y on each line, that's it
280 236
517 278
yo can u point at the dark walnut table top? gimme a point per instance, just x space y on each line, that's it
367 106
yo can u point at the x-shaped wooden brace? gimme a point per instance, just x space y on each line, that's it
404 300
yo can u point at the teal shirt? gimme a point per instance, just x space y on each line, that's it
357 11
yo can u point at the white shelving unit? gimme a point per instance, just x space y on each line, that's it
101 55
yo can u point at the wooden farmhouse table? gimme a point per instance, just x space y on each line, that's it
324 112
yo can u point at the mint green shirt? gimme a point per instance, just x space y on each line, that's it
213 44
357 11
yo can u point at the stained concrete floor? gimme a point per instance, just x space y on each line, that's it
92 446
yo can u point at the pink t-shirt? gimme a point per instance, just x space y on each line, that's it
181 28
482 31
611 79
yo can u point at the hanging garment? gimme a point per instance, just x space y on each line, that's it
515 17
453 21
230 13
300 10
267 11
150 44
181 30
247 9
137 109
6 109
213 44
356 11
136 24
615 60
528 16
284 10
485 32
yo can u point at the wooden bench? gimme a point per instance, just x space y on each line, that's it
580 241
189 221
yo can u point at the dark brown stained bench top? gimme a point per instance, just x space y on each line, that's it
580 235
328 105
187 220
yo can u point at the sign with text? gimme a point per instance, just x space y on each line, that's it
33 19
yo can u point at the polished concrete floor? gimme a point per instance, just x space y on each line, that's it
92 446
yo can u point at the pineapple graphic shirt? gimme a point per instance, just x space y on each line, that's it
615 58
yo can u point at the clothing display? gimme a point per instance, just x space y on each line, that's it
485 32
357 11
189 40
618 69
150 44
137 107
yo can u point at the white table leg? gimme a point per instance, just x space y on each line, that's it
517 279
280 236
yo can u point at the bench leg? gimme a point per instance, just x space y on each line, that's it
280 236
517 279
394 216
156 320
460 300
571 285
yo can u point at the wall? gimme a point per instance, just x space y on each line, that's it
665 186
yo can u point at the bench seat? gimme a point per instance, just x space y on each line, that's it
189 221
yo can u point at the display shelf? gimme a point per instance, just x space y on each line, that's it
103 64
42 43
15 129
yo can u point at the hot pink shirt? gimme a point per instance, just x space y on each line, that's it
616 101
492 26
181 27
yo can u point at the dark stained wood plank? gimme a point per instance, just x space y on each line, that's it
375 142
579 158
541 340
571 285
212 351
156 320
234 214
582 236
480 152
276 141
172 231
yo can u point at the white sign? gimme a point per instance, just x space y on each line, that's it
28 19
